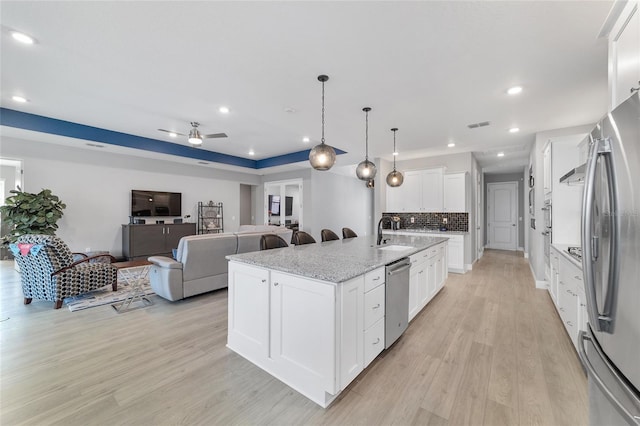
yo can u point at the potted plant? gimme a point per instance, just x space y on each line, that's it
27 213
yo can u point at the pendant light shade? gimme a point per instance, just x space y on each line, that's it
395 178
323 156
366 170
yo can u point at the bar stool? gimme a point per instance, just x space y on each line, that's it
348 233
328 235
301 237
272 241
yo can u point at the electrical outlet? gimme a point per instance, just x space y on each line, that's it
413 219
87 249
444 220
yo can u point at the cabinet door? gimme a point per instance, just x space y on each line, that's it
624 45
173 233
455 192
432 190
411 192
431 278
413 292
352 326
303 331
546 164
455 254
248 311
147 240
423 284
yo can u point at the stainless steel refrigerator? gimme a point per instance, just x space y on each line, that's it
610 348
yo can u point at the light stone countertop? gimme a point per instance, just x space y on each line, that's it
562 248
336 261
424 231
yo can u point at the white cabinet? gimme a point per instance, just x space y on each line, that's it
546 165
303 340
624 53
455 192
420 192
567 292
374 314
455 253
431 190
248 308
427 276
352 323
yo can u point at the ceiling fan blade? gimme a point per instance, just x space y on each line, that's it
171 131
215 135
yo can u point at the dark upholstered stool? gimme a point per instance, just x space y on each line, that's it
328 235
301 237
348 233
272 241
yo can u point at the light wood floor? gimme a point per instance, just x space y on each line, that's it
489 349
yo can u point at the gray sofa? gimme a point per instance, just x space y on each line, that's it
200 265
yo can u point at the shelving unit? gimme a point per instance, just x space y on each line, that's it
210 218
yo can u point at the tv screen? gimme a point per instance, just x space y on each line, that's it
155 203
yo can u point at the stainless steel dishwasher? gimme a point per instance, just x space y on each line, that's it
396 300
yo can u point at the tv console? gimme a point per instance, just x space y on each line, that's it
142 241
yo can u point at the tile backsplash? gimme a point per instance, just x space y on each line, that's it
455 221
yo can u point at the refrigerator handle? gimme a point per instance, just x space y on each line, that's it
590 242
593 373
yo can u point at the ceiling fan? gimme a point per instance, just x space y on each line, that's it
195 137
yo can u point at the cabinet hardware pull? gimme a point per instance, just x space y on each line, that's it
377 278
168 231
377 341
578 277
264 281
569 323
276 284
376 307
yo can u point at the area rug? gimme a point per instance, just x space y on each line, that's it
104 295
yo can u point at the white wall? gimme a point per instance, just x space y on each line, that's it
96 187
340 201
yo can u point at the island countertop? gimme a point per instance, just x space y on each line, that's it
336 261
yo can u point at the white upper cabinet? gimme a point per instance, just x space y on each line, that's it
624 50
455 193
420 192
431 190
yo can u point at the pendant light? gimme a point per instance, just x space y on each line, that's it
366 170
323 156
394 178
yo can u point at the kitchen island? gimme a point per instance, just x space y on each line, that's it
313 315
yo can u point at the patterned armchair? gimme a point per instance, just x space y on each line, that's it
48 270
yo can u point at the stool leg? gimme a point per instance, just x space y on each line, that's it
58 304
27 300
114 286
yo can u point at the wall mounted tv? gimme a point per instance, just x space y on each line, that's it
274 205
155 203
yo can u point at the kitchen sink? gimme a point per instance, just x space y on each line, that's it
395 248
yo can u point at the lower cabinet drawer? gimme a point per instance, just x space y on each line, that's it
373 306
373 341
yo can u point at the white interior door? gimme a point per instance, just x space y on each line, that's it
502 214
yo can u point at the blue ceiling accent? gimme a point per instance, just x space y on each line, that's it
39 123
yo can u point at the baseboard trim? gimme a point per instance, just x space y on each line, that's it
542 284
468 267
520 249
526 255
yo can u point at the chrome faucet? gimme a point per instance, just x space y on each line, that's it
380 227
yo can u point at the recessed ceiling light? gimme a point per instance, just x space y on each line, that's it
451 145
22 38
514 130
252 152
514 90
19 99
501 154
289 110
305 139
95 145
224 109
396 153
